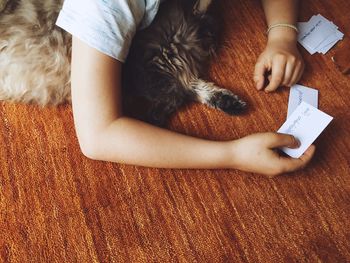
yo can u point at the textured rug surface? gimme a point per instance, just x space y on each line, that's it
58 206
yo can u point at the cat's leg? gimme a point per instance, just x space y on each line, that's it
213 96
159 113
165 98
163 107
201 6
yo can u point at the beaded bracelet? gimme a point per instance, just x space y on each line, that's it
282 25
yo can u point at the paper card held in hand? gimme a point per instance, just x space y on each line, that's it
298 94
318 34
306 123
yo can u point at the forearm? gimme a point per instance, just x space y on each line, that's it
281 11
105 134
131 141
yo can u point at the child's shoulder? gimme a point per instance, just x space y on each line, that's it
106 25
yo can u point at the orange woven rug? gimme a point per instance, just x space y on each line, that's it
58 206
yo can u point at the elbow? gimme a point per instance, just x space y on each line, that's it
89 148
89 152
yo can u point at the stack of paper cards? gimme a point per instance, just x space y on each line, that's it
304 121
318 34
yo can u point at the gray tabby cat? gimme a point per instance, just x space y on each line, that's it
165 63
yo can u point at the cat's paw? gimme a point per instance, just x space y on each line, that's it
228 102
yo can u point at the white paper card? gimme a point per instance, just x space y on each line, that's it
298 94
330 39
336 37
318 34
306 123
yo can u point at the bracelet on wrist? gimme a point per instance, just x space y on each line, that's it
282 25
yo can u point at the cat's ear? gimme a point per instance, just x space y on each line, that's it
201 6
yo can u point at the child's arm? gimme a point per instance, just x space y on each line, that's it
281 56
105 134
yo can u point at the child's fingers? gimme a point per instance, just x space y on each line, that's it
301 72
288 75
298 71
277 140
308 154
294 164
259 73
278 68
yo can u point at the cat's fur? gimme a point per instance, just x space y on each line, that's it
34 53
3 4
165 63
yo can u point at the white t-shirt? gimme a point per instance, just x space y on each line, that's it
107 25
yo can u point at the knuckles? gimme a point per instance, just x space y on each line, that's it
292 59
281 57
287 58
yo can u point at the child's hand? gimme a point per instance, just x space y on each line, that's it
282 61
256 153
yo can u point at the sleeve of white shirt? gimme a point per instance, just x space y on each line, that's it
106 25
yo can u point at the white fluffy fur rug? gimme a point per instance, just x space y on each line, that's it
34 53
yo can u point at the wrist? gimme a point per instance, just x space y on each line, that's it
231 154
285 34
213 155
223 157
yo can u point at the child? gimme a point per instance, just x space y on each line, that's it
102 32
